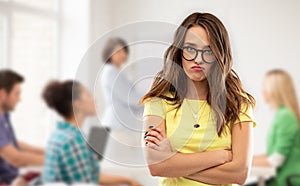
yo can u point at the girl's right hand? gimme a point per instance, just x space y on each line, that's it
154 138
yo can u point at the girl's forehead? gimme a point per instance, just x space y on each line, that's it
197 36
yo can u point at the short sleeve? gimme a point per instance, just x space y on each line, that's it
4 140
286 132
156 107
246 115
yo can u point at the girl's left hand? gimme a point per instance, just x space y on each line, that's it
155 139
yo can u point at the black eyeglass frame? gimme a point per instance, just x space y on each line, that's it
197 52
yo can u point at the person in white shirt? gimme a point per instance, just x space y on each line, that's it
122 114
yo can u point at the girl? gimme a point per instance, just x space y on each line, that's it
198 117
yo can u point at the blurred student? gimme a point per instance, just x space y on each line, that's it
120 95
68 158
122 113
283 141
13 153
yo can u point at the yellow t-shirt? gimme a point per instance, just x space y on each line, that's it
186 138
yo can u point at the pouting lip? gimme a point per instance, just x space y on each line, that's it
197 66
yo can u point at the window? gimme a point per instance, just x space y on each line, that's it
30 49
2 41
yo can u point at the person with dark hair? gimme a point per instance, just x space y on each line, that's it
69 159
13 153
115 52
198 117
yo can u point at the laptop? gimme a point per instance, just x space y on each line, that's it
97 140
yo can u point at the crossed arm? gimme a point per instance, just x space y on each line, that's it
237 170
201 166
163 161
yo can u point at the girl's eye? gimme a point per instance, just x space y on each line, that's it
209 52
190 48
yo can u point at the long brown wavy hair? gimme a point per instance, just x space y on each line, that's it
225 91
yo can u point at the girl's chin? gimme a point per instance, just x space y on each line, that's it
198 79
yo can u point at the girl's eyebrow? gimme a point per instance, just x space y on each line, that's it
189 43
194 45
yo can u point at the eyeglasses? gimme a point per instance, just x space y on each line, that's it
190 54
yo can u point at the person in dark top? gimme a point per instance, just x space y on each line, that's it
13 153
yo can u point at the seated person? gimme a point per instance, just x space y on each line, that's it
283 142
13 153
68 158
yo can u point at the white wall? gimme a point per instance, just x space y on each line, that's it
72 43
74 39
100 23
264 35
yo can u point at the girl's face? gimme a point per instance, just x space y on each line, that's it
85 104
119 56
197 69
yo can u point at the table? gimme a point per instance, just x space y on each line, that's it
141 174
260 174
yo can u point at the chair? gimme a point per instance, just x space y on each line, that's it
97 140
290 180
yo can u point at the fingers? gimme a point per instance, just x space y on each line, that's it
160 132
152 139
152 146
154 133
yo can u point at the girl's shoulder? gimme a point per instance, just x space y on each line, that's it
165 98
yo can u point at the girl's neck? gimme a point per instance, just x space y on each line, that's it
197 90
